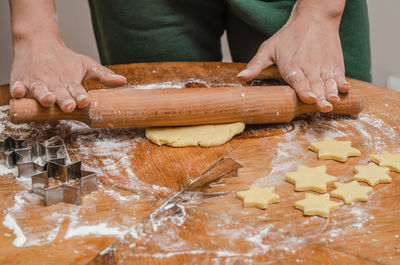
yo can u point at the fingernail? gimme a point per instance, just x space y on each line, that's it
68 105
15 85
45 95
81 97
333 96
326 103
118 76
311 95
244 72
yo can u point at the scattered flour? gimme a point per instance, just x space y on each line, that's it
164 85
101 229
11 224
5 170
22 200
181 84
107 151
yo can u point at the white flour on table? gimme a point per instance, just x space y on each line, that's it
111 147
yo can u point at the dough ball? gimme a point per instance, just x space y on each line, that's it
200 135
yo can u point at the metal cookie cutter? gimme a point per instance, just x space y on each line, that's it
64 183
34 159
8 151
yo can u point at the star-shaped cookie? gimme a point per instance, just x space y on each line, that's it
310 178
372 174
389 160
332 149
351 192
258 197
316 205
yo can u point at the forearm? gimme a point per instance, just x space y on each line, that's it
34 21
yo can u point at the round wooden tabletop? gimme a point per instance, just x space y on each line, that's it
118 223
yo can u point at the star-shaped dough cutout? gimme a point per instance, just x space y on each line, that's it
332 149
389 160
316 205
310 178
372 174
258 197
351 192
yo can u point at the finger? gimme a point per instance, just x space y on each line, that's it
41 93
64 99
107 77
331 91
79 93
260 61
297 80
318 88
17 89
342 84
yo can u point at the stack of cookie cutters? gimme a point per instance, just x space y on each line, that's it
51 176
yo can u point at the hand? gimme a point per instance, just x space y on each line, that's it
52 73
308 53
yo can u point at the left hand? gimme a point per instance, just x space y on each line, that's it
308 53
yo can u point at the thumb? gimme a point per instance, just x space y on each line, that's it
263 59
106 76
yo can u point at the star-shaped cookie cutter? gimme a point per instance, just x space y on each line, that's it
64 183
34 159
8 147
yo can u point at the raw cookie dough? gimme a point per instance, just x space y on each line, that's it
387 159
332 149
316 205
258 197
200 135
372 174
310 178
351 192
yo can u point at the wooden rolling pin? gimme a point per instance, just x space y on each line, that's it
175 107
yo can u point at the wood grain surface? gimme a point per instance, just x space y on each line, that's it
116 225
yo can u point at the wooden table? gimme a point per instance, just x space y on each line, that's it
115 226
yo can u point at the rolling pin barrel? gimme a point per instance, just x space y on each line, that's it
178 107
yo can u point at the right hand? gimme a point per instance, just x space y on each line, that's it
52 73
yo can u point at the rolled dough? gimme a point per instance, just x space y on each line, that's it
200 135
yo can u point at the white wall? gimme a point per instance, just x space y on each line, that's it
385 39
77 31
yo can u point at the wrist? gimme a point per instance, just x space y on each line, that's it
40 39
25 33
315 16
320 10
